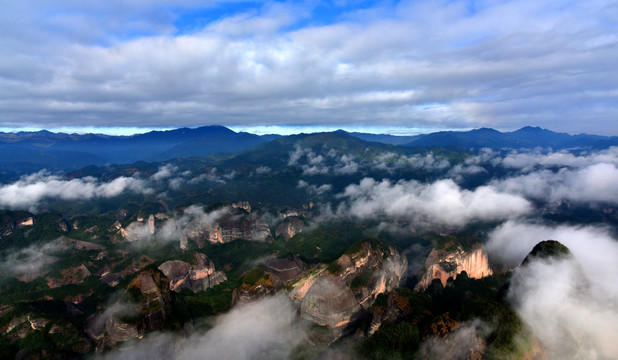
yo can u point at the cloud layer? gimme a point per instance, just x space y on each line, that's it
434 64
570 304
442 202
31 190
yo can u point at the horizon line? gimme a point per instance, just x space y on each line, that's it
283 130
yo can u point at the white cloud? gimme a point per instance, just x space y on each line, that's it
594 183
441 202
570 304
30 190
314 189
275 64
391 161
529 160
594 247
553 299
164 172
261 170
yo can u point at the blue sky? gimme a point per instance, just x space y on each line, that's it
395 66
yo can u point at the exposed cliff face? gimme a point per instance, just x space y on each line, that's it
155 298
12 220
443 265
251 291
150 301
329 302
334 299
231 227
303 282
289 227
285 269
198 276
397 307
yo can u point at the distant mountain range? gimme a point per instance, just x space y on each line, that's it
525 138
25 152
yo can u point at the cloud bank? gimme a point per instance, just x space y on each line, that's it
434 64
592 184
31 190
569 304
442 202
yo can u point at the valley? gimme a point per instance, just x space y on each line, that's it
309 246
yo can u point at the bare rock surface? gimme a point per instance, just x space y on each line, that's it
445 264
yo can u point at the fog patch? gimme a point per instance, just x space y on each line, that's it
314 189
460 344
171 230
593 247
554 299
265 329
261 170
391 161
31 261
165 171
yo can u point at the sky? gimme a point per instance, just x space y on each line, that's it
399 67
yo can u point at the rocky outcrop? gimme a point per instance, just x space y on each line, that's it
289 227
231 227
12 220
329 302
154 298
396 307
145 307
81 245
198 276
446 264
75 275
285 269
303 282
256 284
22 325
333 296
245 205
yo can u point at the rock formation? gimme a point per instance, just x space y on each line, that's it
289 227
75 275
446 264
154 298
329 302
230 227
256 284
333 296
80 245
198 276
245 205
12 220
285 269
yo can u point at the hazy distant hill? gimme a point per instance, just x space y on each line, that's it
26 152
527 137
32 151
